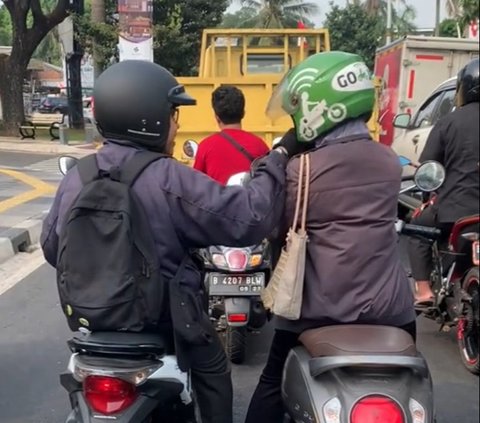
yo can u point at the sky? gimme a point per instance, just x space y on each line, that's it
425 11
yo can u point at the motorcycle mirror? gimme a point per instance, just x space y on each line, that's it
240 179
65 163
429 176
404 161
190 148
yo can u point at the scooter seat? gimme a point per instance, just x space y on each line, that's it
116 343
343 340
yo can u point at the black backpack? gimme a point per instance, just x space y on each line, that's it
107 268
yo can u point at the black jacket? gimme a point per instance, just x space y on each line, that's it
454 142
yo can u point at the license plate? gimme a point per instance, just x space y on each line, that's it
476 253
221 284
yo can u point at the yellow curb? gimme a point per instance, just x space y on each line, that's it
40 189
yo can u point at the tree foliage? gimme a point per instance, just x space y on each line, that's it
49 48
178 29
278 13
5 27
354 30
99 36
247 17
448 28
31 22
463 12
403 14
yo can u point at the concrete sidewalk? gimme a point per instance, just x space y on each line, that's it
45 147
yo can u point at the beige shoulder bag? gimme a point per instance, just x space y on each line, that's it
284 292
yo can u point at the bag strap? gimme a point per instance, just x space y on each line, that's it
88 169
131 170
306 193
302 191
242 150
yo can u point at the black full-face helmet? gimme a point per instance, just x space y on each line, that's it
134 102
467 83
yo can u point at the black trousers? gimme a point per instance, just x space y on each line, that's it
266 405
419 249
211 380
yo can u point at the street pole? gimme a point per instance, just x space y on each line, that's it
389 22
74 79
437 19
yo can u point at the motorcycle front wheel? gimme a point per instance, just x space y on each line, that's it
468 328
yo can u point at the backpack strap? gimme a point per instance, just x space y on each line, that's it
88 169
235 144
132 169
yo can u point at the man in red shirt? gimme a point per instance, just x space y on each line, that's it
231 150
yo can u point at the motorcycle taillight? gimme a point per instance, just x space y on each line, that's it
377 409
236 259
108 395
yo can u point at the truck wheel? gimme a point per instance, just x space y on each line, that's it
235 343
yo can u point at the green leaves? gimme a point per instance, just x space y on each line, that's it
354 30
272 13
178 31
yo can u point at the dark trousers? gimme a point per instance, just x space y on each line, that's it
211 380
419 249
266 405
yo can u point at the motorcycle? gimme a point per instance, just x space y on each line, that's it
234 279
455 282
126 377
362 373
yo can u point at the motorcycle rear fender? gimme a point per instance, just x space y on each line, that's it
305 396
237 305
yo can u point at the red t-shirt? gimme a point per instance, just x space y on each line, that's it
219 159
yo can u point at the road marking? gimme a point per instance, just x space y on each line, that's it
18 268
40 189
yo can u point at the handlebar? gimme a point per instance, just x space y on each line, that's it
423 231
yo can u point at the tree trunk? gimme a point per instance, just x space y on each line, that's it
12 72
98 17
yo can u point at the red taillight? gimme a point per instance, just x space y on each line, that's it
377 409
108 395
236 259
237 318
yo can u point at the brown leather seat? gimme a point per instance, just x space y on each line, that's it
358 340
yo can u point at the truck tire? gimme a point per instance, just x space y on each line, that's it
235 344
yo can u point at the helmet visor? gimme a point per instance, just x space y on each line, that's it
178 97
278 104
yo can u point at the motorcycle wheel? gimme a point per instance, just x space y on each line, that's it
468 329
236 343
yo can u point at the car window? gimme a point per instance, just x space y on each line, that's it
425 115
445 106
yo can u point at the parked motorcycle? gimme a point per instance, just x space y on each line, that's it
126 377
362 373
234 279
456 284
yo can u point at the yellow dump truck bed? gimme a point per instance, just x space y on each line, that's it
254 60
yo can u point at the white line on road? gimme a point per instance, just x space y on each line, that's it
18 268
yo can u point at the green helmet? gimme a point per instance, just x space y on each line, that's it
323 91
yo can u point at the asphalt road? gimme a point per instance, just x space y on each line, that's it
20 160
33 352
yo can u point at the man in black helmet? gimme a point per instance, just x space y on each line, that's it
454 142
136 109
